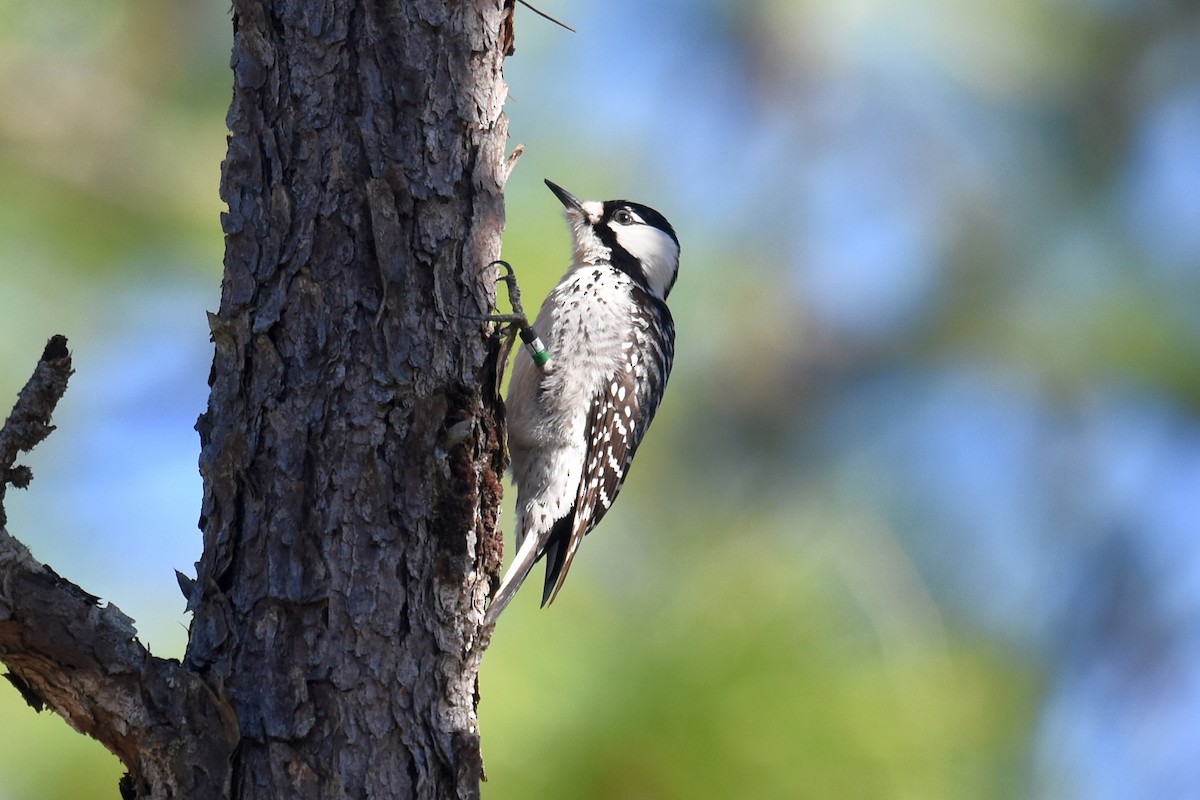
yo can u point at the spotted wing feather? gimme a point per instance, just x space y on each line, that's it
619 416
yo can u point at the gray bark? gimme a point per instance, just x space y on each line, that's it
344 569
351 448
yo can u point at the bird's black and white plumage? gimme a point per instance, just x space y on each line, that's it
574 426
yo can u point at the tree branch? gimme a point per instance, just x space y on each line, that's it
29 422
84 661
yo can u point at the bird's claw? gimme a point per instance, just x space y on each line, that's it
537 350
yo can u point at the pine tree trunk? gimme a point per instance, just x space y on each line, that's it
350 448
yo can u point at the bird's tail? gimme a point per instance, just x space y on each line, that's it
517 571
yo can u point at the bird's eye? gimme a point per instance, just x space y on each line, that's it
623 217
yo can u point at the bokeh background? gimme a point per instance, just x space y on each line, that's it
920 516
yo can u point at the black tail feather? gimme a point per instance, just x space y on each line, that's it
556 554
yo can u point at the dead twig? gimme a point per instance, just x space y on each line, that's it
29 422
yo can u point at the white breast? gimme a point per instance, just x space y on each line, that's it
583 323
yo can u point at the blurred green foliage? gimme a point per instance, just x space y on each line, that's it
746 675
42 758
110 145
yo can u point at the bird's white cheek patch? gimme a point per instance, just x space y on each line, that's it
655 249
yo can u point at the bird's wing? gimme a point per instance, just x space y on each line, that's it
620 413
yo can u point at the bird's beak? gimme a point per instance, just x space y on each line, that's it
569 201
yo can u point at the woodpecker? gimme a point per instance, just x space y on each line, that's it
577 413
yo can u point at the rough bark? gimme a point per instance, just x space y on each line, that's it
350 450
351 447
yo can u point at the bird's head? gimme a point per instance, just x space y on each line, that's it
632 237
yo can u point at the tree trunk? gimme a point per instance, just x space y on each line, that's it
351 448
